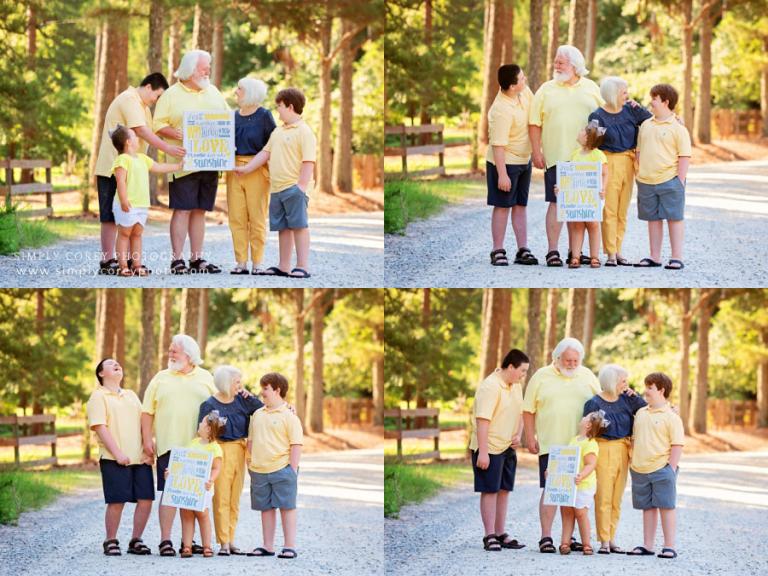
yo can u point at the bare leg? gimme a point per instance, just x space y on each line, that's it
187 527
546 517
196 233
301 241
285 246
676 236
179 231
650 519
568 518
501 511
553 227
582 517
112 518
204 521
594 239
655 238
140 517
576 238
268 524
520 226
108 237
499 226
167 515
288 519
123 246
136 233
668 525
488 511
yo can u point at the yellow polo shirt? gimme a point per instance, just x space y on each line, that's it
170 108
174 399
120 412
502 404
587 446
562 111
289 145
271 433
508 127
137 178
129 110
660 143
656 431
558 402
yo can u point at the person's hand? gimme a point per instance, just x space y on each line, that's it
578 478
533 446
505 184
295 470
125 206
545 473
675 409
178 167
303 189
516 441
632 103
630 392
292 408
149 449
177 151
483 460
239 170
122 459
538 160
177 134
602 194
244 393
207 485
555 189
166 473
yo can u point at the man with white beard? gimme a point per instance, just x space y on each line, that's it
552 408
191 194
170 409
560 109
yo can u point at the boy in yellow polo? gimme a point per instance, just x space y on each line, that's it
291 153
274 447
497 425
658 440
664 150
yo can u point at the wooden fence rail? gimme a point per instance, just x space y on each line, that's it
10 190
341 411
732 413
413 148
406 429
19 439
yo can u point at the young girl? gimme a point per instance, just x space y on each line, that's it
211 426
590 427
131 205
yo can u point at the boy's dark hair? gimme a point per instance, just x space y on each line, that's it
291 97
661 381
665 92
120 136
276 381
507 75
156 80
599 424
99 367
594 138
515 357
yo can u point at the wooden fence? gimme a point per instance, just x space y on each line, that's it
730 123
406 429
413 148
343 411
20 437
731 413
10 190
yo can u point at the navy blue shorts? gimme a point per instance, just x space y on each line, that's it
107 188
550 181
162 464
126 483
543 463
196 191
500 474
519 175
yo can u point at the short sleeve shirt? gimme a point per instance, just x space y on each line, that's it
252 132
272 433
212 447
502 404
660 144
238 415
289 146
592 156
508 127
620 128
120 412
587 446
127 109
137 178
620 413
656 430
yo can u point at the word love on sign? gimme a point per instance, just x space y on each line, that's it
188 471
560 489
209 139
578 197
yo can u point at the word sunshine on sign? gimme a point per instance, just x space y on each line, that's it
560 489
188 471
209 139
578 198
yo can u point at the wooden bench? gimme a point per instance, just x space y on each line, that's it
405 429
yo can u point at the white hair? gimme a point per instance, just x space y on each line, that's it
609 89
189 63
223 377
575 57
609 377
254 91
189 346
567 344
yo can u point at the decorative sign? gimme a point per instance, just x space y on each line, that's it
209 139
188 471
560 489
578 197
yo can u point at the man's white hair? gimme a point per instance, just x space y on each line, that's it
575 57
223 377
189 63
609 377
567 344
609 89
189 346
254 91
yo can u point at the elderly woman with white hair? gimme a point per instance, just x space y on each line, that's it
248 194
620 404
236 404
621 117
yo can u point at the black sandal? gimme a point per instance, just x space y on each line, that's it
112 548
236 551
196 548
512 544
491 543
299 273
576 546
647 263
499 258
289 553
200 266
674 264
583 258
260 552
223 552
553 261
166 548
640 551
109 267
137 546
273 271
178 267
546 546
525 257
665 555
621 261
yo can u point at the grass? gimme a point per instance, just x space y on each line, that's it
453 164
410 484
28 490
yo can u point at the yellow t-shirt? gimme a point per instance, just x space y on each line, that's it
129 110
120 412
137 178
595 155
656 431
170 108
289 145
558 402
271 433
562 111
174 399
508 127
587 446
502 404
213 447
660 143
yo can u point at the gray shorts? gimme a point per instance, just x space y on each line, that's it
274 490
655 490
288 209
665 201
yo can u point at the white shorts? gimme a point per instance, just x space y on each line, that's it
584 498
128 219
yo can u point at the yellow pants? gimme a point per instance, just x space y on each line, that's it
612 468
227 490
618 193
248 205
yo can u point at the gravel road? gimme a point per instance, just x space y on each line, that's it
346 250
340 510
726 218
722 507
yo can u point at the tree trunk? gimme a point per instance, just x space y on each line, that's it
174 45
166 309
217 60
29 120
490 334
762 382
507 15
577 24
589 321
107 326
202 322
325 159
37 405
536 46
147 355
533 340
505 336
316 396
764 89
343 158
492 50
426 93
591 34
685 356
190 311
554 37
119 350
425 375
699 396
687 96
202 31
553 301
577 304
704 107
300 395
378 377
155 64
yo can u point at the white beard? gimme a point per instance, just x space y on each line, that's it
175 366
561 76
203 83
568 373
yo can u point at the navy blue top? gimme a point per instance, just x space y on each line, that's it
622 128
252 131
237 412
620 413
